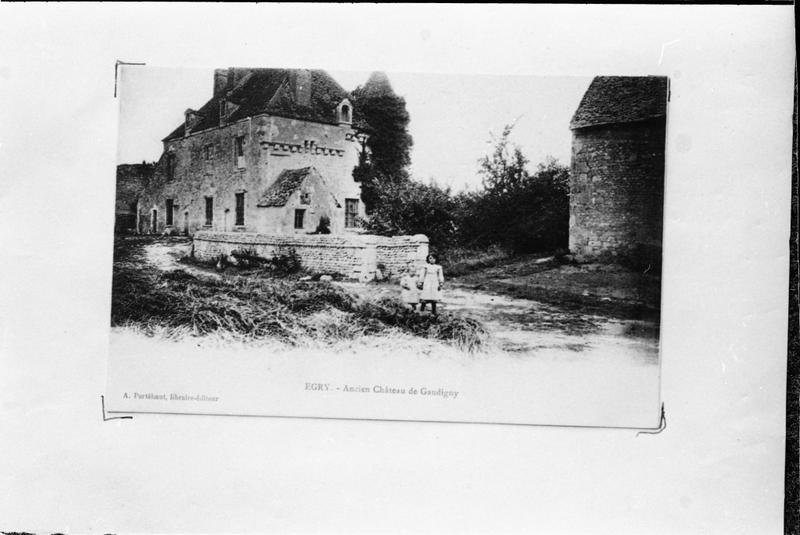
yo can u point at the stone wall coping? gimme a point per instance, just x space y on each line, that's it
319 240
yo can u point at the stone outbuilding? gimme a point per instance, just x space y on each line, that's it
279 134
132 179
301 199
617 171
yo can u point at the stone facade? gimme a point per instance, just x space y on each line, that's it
213 171
352 255
617 176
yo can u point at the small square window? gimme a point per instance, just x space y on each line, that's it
305 197
299 218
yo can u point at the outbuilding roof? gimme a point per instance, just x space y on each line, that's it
272 91
621 99
278 193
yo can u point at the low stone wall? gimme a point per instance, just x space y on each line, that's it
396 252
355 256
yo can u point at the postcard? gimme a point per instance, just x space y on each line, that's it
393 246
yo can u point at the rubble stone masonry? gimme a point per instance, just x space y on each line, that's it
355 256
616 190
206 165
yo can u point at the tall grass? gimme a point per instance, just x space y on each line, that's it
257 307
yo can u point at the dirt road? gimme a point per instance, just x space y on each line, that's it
527 328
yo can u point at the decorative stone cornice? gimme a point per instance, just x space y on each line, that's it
307 148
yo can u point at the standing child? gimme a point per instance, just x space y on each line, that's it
432 277
410 291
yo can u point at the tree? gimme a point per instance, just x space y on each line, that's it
521 211
381 114
504 172
411 207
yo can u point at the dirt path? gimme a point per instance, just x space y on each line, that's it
526 327
165 256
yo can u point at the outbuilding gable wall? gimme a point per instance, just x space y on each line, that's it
616 191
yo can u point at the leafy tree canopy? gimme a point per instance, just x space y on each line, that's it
381 114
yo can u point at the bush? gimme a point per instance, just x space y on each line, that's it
519 211
414 208
524 212
246 258
324 226
466 334
281 264
286 263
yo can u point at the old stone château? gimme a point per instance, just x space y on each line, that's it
272 151
617 172
259 167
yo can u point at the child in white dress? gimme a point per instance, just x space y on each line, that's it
410 292
432 278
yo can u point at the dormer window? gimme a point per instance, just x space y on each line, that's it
191 120
344 112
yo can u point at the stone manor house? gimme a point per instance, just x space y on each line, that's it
258 167
271 152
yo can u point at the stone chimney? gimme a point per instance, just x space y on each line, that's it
226 79
223 111
303 87
220 81
236 75
231 74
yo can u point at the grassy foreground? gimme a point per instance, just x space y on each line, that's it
253 307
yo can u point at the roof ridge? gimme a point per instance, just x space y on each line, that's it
621 99
255 93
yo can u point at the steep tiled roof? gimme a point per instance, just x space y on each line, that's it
272 91
621 99
283 187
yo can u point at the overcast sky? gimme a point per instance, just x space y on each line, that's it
452 117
